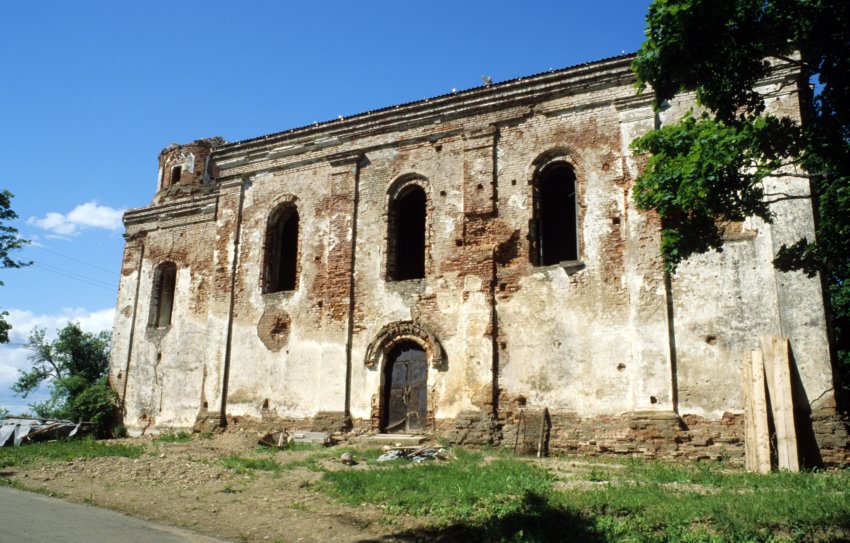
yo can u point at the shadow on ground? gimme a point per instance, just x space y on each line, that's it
536 521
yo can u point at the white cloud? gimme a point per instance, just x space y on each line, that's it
12 359
88 215
13 356
23 321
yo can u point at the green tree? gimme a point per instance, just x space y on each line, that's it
9 241
75 366
709 168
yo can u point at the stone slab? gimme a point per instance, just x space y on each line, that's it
400 440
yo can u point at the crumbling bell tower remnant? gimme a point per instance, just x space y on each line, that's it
185 169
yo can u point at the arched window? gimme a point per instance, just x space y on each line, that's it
281 258
556 235
176 172
406 239
162 302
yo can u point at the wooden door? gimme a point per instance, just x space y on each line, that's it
405 389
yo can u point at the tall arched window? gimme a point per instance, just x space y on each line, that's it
281 258
556 236
406 239
162 301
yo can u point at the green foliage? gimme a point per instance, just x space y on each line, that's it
716 47
9 241
75 366
63 451
721 49
703 172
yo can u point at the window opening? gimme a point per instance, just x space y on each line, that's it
405 392
407 236
281 270
557 229
176 171
164 281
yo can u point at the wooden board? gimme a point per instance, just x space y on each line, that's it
533 432
777 362
756 434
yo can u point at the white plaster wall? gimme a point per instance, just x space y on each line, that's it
308 374
167 369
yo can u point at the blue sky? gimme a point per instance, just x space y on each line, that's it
92 91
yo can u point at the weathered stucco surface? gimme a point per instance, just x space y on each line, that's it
624 358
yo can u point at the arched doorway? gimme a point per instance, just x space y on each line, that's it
405 389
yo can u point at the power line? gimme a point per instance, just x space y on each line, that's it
75 276
83 262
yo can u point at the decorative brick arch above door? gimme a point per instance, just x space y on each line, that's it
400 331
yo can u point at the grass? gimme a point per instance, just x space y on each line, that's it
173 437
64 450
313 461
241 464
710 502
264 458
465 488
511 499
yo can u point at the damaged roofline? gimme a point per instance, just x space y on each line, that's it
619 66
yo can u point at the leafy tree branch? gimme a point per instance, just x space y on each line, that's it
711 168
74 366
10 241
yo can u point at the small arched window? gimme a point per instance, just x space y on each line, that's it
555 237
162 302
176 172
406 239
281 258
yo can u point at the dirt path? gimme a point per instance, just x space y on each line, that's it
187 485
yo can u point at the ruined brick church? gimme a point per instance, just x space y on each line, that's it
464 266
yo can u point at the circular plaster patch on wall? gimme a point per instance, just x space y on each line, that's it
274 327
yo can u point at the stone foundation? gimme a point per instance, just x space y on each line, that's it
469 428
832 435
648 434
